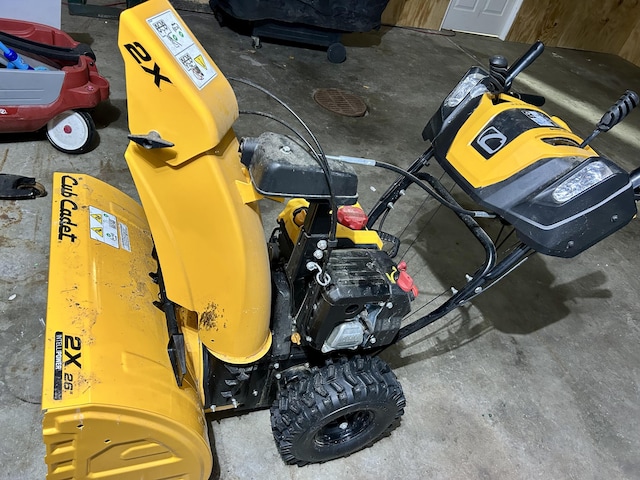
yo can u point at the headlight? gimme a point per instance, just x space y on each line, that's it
587 177
463 88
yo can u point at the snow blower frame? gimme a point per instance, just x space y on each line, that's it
161 313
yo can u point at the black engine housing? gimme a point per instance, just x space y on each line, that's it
362 306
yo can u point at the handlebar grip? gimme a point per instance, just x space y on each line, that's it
535 100
523 62
627 102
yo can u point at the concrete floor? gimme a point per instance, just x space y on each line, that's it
538 378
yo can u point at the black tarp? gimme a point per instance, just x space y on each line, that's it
342 15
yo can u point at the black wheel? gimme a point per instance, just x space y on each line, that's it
336 53
336 410
72 131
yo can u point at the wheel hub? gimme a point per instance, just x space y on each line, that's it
344 428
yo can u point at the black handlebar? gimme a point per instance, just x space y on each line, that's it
523 62
54 52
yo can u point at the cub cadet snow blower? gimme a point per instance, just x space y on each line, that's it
161 313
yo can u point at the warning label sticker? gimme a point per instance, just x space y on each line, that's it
103 227
183 48
124 237
540 118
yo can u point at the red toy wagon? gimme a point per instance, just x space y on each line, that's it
56 93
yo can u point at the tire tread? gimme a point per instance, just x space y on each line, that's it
303 404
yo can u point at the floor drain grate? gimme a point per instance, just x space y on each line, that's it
340 102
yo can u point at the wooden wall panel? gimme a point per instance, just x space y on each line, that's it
631 48
596 25
415 13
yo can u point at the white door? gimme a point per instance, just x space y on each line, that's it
39 11
485 17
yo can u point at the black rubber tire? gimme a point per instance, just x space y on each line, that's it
336 53
336 410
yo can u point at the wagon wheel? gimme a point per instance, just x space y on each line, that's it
71 131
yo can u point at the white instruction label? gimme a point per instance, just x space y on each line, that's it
124 237
540 118
183 48
103 227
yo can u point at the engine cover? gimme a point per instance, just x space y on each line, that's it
362 306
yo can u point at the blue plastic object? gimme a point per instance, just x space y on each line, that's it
15 60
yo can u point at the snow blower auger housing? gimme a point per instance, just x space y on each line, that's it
161 313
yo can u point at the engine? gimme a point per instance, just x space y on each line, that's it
362 305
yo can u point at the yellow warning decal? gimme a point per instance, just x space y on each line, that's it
200 61
103 226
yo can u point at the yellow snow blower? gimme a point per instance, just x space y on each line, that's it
161 313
